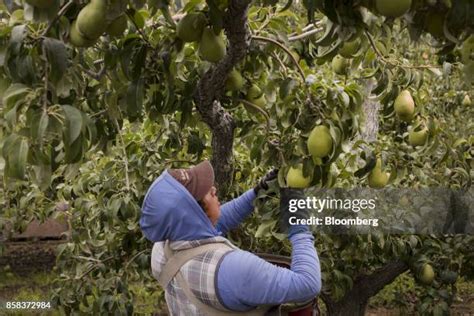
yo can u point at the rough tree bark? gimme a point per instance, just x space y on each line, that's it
371 112
211 88
365 286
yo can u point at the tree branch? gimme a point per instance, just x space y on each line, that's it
270 40
369 285
365 286
258 109
305 34
61 12
211 87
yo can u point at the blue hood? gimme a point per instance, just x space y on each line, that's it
170 212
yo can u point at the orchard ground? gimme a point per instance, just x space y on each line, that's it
398 298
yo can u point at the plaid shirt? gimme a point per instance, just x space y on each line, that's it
199 273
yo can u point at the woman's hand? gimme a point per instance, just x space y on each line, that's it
263 183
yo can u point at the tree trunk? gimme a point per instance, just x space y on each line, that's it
365 286
371 114
353 306
211 88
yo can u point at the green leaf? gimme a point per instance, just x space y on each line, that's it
43 176
73 124
215 16
73 151
17 157
10 141
57 58
135 98
43 126
265 228
16 92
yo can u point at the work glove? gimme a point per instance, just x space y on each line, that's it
289 209
263 183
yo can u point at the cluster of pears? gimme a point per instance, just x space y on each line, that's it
193 28
320 145
405 110
341 62
92 22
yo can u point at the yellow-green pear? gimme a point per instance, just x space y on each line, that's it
91 21
296 179
404 106
350 48
77 39
42 4
340 65
467 50
392 8
466 101
234 81
320 142
211 47
256 96
117 26
434 24
427 274
418 138
191 26
377 177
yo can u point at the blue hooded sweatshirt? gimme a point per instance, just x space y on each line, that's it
170 212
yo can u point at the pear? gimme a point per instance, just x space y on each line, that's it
77 39
211 47
405 106
434 24
191 26
41 4
427 274
256 96
392 8
466 101
296 179
234 81
418 138
320 142
350 48
377 178
117 26
340 65
91 21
